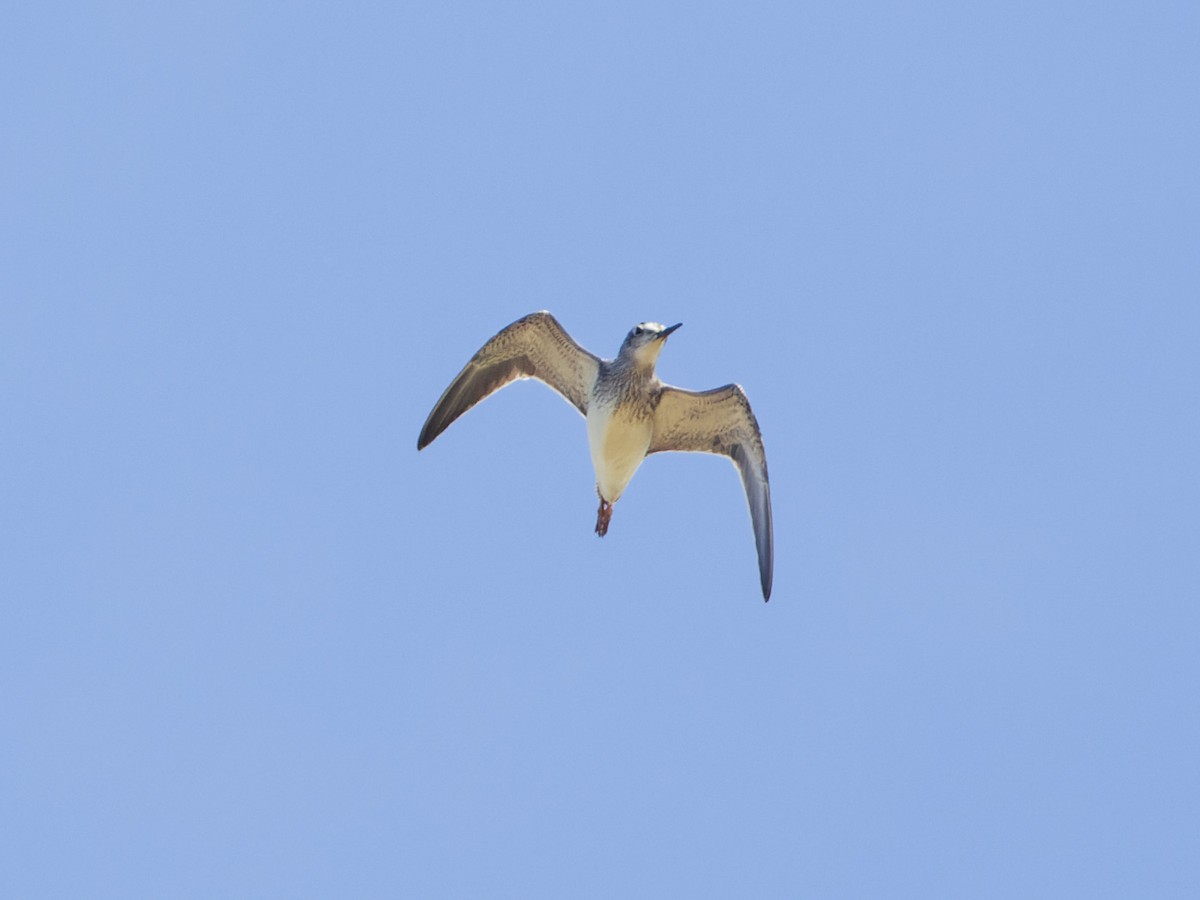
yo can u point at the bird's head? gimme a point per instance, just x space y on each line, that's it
645 341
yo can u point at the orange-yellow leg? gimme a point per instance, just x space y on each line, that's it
603 516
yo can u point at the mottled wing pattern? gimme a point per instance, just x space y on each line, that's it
721 421
533 347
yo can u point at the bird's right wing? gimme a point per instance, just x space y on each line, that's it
533 347
721 421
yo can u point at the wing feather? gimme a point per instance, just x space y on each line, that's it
535 346
720 421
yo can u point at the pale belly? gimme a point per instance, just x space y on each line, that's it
618 445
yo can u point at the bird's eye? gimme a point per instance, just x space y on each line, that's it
639 330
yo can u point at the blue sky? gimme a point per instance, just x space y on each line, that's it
252 643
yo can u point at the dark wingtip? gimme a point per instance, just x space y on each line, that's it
437 422
426 437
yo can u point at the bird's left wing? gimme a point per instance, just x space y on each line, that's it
721 421
535 346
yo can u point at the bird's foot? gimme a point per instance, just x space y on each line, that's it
603 516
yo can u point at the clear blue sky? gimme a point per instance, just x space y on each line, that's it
253 644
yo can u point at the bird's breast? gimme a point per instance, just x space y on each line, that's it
618 440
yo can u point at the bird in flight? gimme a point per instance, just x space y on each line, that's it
630 413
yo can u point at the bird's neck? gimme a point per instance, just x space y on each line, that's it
629 366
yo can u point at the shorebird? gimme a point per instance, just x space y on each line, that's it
630 413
